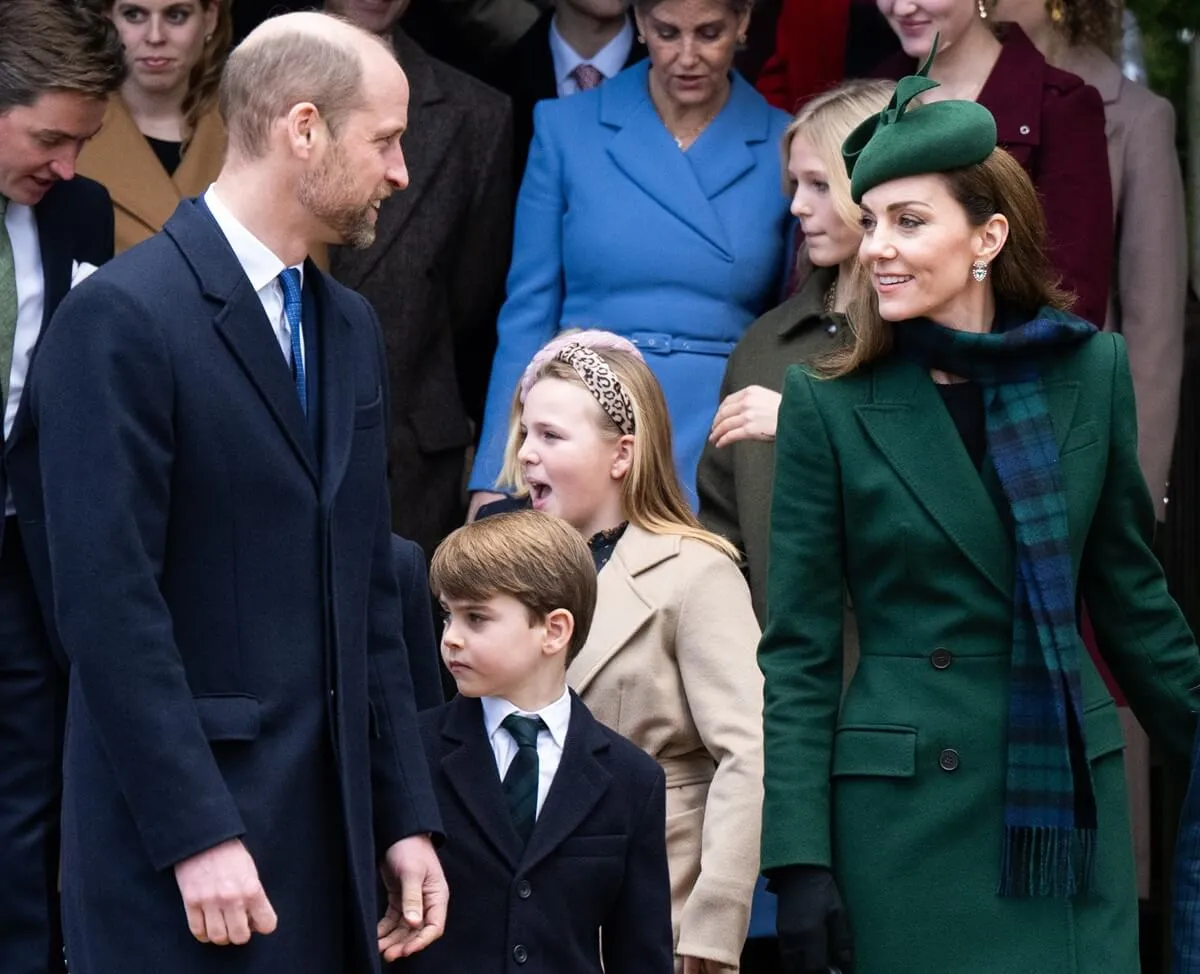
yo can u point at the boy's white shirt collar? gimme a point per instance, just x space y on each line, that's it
556 715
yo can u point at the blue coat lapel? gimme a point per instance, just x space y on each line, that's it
683 183
241 323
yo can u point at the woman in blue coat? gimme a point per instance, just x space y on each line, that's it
652 206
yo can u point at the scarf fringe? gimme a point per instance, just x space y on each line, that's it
1045 861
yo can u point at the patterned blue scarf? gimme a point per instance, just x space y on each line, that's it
1050 806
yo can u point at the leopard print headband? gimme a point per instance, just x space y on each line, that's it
601 382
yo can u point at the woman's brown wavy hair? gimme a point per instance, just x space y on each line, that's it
205 79
1020 273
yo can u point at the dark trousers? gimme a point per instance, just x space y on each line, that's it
32 709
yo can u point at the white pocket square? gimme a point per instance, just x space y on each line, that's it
81 271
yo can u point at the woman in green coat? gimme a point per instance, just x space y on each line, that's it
967 468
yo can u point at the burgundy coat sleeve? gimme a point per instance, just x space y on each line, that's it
1072 180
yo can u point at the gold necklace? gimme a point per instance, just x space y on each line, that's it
679 140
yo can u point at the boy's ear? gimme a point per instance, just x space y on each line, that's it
560 626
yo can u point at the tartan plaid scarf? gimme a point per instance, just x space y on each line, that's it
1050 807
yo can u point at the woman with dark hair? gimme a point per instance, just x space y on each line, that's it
651 206
964 468
1048 120
163 139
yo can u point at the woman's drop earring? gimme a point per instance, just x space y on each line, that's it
983 11
979 271
642 39
1056 10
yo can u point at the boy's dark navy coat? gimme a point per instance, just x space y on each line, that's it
597 858
225 591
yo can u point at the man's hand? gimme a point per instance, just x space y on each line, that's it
749 414
417 898
224 899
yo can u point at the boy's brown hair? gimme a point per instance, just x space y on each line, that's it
537 559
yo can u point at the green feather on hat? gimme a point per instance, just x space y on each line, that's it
931 138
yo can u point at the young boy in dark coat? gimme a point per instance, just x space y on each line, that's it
555 845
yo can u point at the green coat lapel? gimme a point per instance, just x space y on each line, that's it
909 425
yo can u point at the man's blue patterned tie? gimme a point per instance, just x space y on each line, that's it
293 305
521 782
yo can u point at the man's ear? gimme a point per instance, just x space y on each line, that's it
304 127
560 627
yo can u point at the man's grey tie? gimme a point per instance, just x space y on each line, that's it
8 307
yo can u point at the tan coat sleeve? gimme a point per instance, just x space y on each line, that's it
715 645
1152 281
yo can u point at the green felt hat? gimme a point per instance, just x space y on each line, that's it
937 137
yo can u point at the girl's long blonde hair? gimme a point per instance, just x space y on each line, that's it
651 496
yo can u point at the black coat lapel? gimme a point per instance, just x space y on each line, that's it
470 767
580 783
241 323
53 242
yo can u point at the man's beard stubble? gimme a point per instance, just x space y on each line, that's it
328 193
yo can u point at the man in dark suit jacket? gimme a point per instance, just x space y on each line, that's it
209 410
60 64
555 824
547 62
435 276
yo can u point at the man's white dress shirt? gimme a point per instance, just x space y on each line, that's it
21 224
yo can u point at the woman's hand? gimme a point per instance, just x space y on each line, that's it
814 931
749 414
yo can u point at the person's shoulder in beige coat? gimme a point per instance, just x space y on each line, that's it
670 664
144 194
